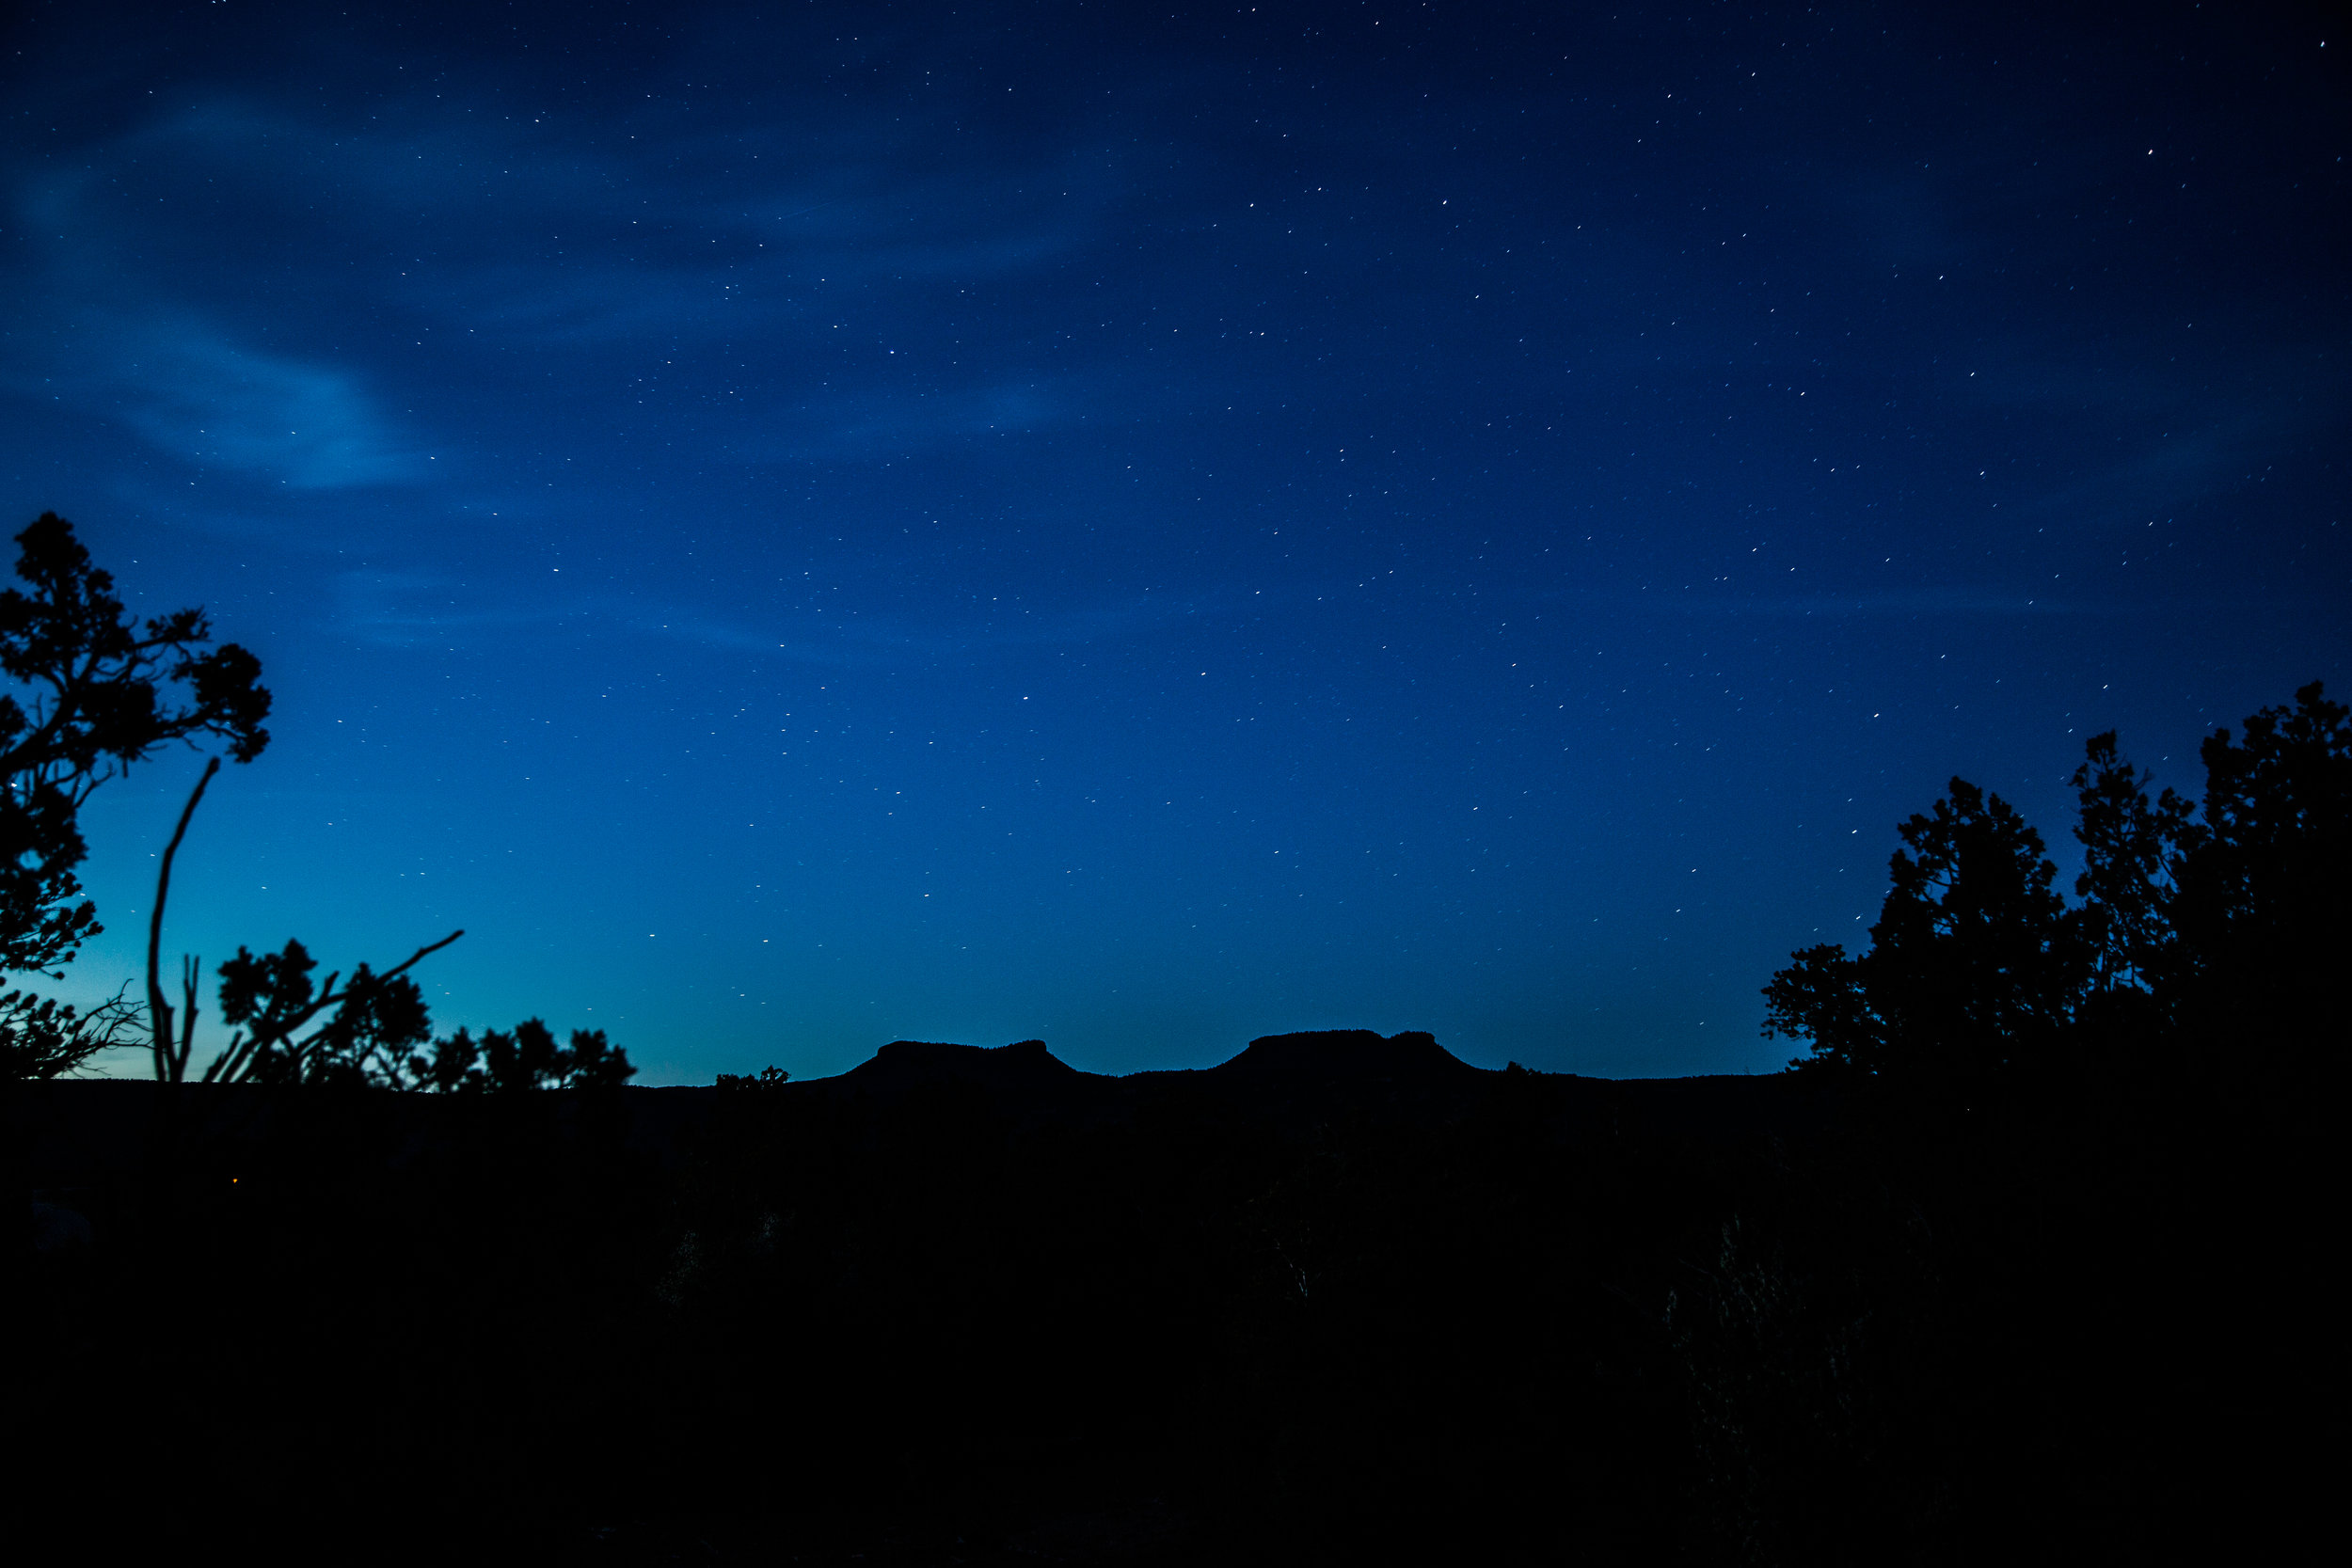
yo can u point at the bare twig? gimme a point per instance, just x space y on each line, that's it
171 1057
191 969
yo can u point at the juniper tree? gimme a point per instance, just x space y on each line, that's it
90 690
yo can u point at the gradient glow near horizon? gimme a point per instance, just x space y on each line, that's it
801 528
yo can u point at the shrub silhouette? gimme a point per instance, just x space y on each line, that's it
528 1058
768 1077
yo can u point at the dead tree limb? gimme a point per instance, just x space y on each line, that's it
171 1053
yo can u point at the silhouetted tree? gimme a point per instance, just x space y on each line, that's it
371 1021
1823 998
1974 963
269 1002
2152 1207
94 694
41 1036
2262 880
2132 847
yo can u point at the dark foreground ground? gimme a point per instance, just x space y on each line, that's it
1339 1300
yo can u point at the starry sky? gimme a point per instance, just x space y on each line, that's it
799 526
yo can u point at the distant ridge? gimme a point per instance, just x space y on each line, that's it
1412 1056
1025 1066
88 1132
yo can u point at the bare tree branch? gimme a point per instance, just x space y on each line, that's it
172 1058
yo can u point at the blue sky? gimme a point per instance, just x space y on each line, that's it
803 528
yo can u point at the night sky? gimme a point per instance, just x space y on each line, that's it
803 526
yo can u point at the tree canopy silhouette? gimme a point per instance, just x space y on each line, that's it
2261 878
1977 966
99 700
1973 957
2131 846
94 692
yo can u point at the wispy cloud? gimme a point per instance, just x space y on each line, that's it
1896 604
190 390
436 224
654 224
874 424
1906 604
2170 471
95 336
418 610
